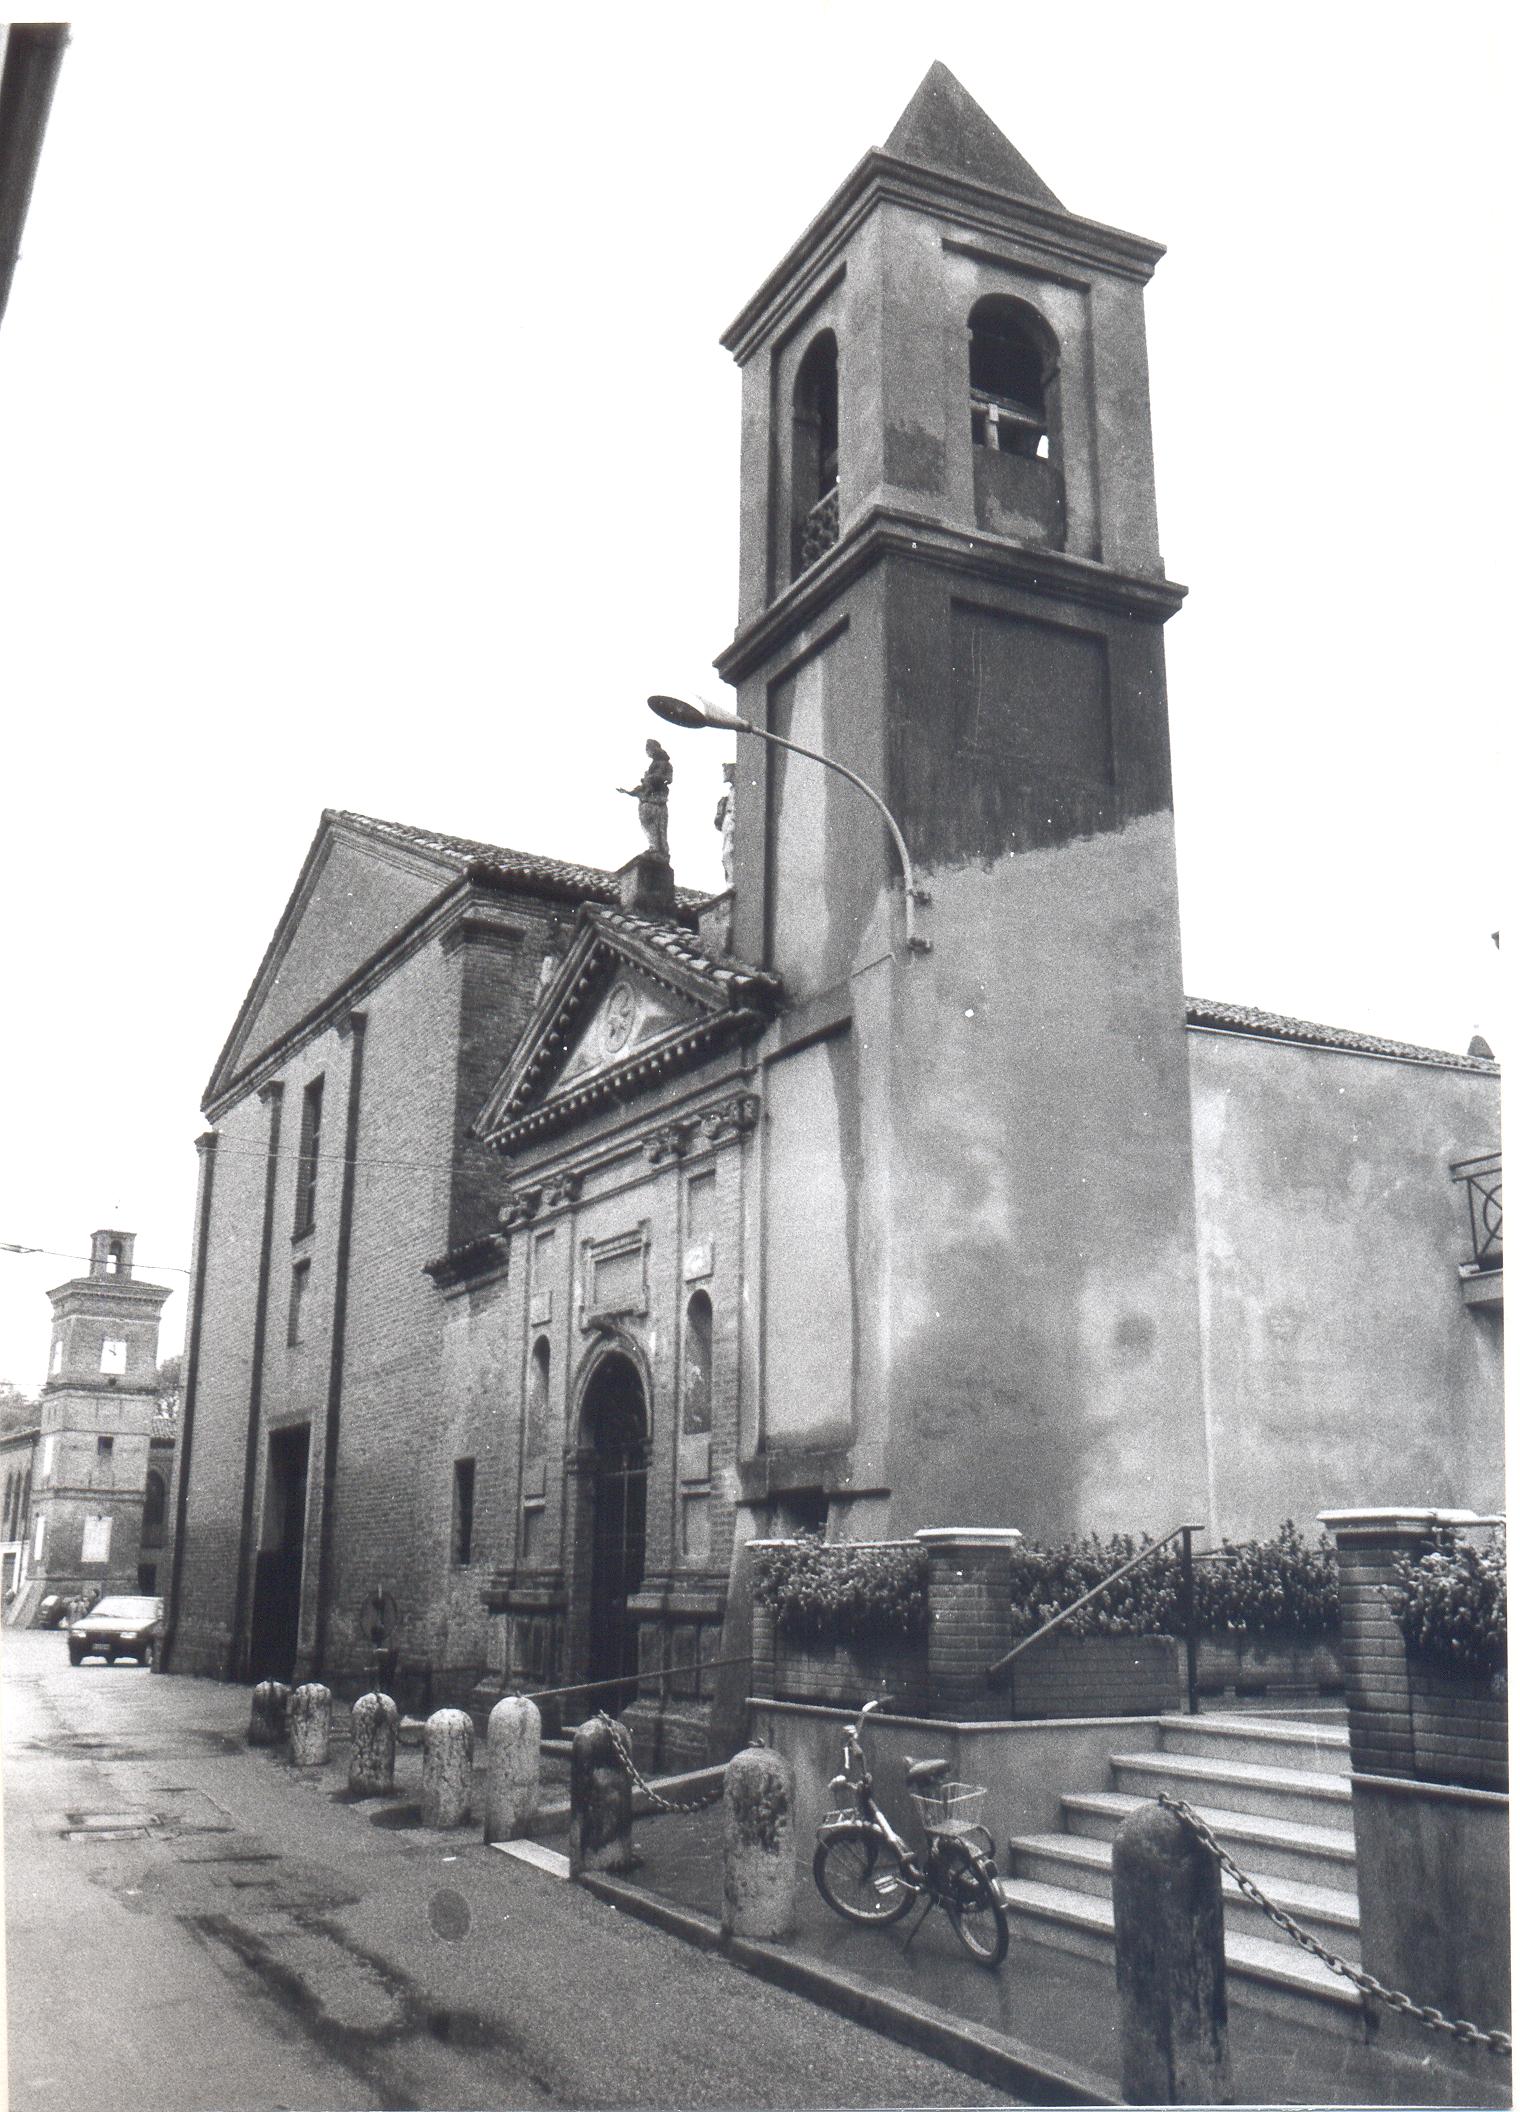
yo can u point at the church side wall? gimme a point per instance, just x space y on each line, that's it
394 1458
1342 1366
203 1634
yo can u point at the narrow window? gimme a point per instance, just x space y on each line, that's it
104 1446
1012 367
309 1160
815 453
536 1431
464 1510
57 1356
155 1508
696 1366
298 1280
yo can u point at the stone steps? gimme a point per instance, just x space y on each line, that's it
1277 1795
1082 1864
1276 1978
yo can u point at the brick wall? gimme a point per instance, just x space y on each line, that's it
440 1020
1407 1718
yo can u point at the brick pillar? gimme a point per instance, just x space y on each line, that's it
1367 1544
762 1674
970 1617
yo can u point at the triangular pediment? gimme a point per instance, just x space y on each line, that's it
633 1012
633 1000
354 895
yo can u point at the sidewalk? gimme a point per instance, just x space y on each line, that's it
1044 2007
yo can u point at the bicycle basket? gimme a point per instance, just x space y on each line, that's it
949 1807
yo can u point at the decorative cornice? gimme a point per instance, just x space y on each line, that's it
886 531
670 1142
734 1117
471 1258
464 929
637 1074
880 178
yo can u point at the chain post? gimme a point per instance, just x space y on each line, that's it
623 1746
1498 2043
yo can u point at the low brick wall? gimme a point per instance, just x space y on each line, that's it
1247 1665
842 1675
1460 1728
1408 1717
1096 1675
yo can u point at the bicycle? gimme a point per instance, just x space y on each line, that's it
867 1872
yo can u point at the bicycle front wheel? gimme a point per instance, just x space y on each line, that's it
970 1897
861 1877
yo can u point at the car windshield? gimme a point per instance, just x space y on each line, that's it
123 1610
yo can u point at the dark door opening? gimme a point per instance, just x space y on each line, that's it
277 1570
615 1427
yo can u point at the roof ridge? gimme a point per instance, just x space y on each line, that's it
474 850
1284 1026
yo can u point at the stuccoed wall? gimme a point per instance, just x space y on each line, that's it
1341 1365
1433 1879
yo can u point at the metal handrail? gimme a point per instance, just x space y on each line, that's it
1189 1611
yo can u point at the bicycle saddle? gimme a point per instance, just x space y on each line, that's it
925 1770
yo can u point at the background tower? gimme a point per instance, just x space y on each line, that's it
976 1238
94 1499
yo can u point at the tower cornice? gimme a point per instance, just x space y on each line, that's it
879 178
122 1295
883 531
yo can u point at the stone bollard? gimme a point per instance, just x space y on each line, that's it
601 1802
1169 1944
514 1731
372 1757
448 1768
266 1716
759 1846
310 1720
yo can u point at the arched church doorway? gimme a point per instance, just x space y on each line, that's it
614 1425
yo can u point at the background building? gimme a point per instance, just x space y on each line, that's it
104 1461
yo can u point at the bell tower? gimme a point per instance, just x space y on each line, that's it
97 1456
977 1244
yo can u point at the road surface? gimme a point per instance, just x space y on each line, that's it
190 1924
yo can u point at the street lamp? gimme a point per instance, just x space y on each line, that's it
679 713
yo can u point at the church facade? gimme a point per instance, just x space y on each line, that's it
560 1232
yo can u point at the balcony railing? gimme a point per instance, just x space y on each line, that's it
1483 1180
820 528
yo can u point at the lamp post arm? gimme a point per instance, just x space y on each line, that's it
911 895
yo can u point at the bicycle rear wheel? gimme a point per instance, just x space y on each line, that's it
861 1877
970 1898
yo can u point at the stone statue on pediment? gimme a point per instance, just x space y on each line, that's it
653 795
723 822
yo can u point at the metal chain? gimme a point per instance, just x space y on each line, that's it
1497 2042
624 1749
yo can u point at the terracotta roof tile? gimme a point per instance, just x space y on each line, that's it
588 882
1278 1026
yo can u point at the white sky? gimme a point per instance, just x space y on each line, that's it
365 441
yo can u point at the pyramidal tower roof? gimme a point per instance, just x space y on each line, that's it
944 128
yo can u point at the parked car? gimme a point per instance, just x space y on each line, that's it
116 1628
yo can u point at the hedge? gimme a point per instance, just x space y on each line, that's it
1452 1605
